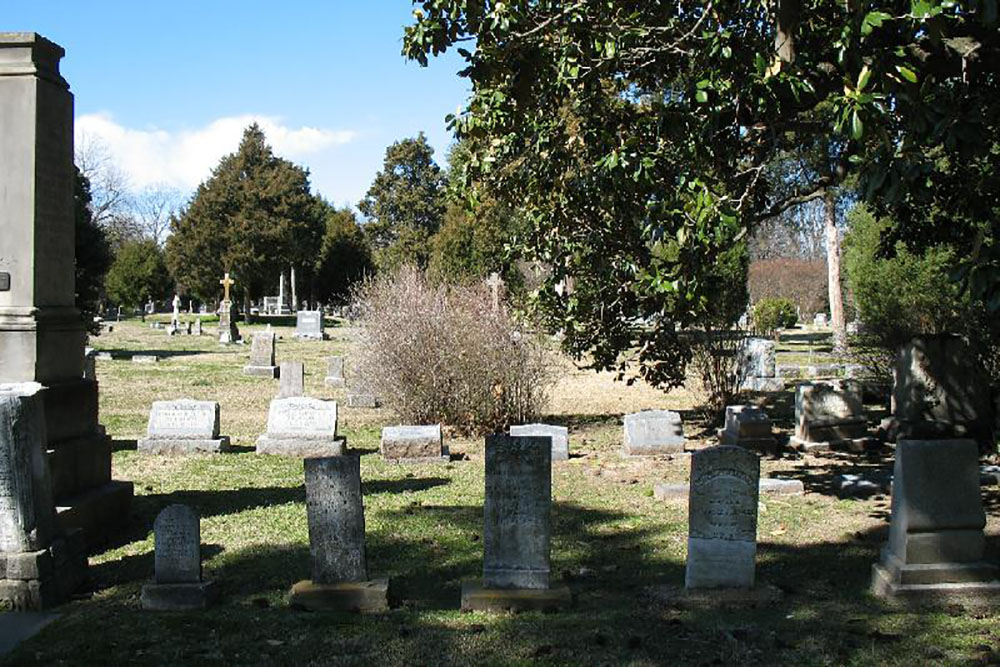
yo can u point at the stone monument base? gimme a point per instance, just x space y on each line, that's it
763 384
854 445
37 580
310 336
261 371
764 443
181 446
477 598
301 447
352 596
444 458
178 597
973 584
331 381
715 598
654 450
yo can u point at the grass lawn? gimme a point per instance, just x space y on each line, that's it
611 541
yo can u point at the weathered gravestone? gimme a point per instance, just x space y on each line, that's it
292 381
41 332
653 432
334 372
177 582
90 365
39 565
309 325
761 374
262 356
940 392
361 398
184 426
819 320
413 444
830 415
750 427
517 527
722 518
336 518
559 435
935 551
196 327
300 426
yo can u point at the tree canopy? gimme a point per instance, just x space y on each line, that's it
138 272
637 136
254 217
344 257
405 204
93 254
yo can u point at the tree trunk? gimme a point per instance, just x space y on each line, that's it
784 29
836 295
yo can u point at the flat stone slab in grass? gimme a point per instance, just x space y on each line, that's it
144 359
362 401
652 432
858 486
359 597
767 486
559 435
413 444
184 426
714 598
477 598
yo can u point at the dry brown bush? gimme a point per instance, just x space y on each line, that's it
440 353
804 281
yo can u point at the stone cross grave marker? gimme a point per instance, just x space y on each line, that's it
336 516
558 434
228 333
722 518
183 426
495 283
292 381
262 356
517 528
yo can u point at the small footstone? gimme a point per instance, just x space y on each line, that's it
413 444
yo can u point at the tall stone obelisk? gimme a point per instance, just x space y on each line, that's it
41 332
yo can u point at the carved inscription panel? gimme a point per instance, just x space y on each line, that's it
724 489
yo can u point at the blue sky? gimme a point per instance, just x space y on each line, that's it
167 87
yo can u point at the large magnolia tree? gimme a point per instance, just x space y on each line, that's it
636 136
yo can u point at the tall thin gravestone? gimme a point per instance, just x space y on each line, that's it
292 381
262 356
336 518
516 534
177 582
228 333
334 372
41 332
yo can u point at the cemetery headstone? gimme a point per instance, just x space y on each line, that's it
413 444
767 487
360 398
337 541
652 432
228 333
302 426
177 584
517 527
820 320
196 327
262 356
39 565
334 372
184 426
90 365
940 392
292 379
309 325
936 546
722 518
750 427
41 334
830 415
761 374
559 435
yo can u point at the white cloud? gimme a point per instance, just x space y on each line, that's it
185 158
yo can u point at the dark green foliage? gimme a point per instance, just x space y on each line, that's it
343 259
139 272
254 217
404 205
93 254
636 136
773 313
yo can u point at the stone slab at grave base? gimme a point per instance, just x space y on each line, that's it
767 487
413 444
823 436
261 371
183 446
477 598
301 447
362 401
99 512
715 598
36 580
351 596
331 381
973 593
179 597
763 385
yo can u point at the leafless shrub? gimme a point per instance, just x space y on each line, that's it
440 353
720 361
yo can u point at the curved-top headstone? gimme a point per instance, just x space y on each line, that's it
177 546
722 518
654 432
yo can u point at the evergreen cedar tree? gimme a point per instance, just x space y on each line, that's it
636 138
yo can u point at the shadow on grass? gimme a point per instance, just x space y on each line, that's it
126 355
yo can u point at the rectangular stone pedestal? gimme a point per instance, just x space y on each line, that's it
261 371
969 593
178 597
351 596
32 581
477 598
301 447
168 446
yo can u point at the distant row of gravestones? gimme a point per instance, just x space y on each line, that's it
935 551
